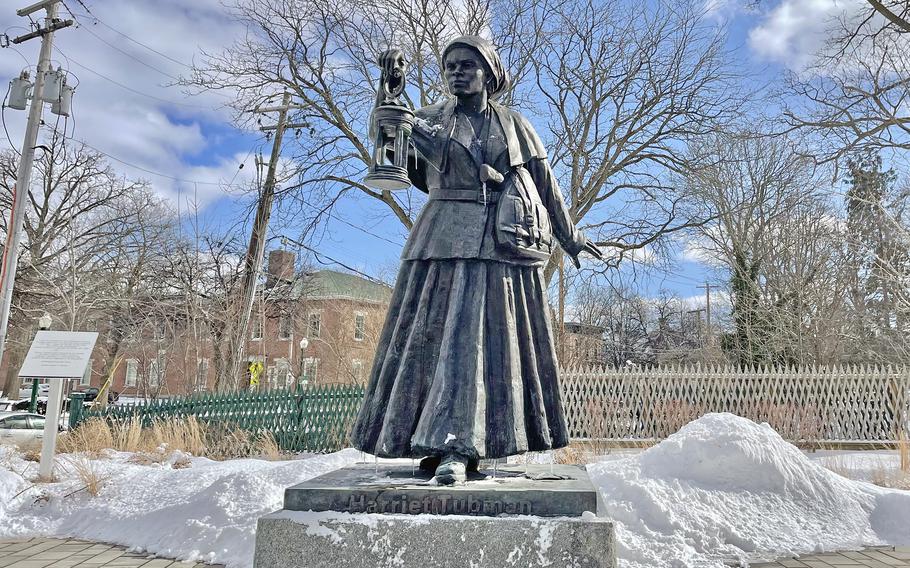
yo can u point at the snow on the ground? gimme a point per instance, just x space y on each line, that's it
725 488
869 465
722 488
206 511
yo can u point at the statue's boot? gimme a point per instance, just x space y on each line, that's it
452 469
430 463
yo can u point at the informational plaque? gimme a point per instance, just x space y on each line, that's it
59 354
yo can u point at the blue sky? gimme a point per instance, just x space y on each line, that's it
187 148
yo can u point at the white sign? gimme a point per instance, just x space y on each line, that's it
59 354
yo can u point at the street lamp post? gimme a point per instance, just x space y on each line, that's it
44 324
301 376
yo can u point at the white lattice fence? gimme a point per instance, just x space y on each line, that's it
856 404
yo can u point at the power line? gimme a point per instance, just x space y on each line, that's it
230 184
98 20
148 171
364 230
317 254
3 119
131 56
130 89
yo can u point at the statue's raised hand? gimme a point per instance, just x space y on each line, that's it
392 76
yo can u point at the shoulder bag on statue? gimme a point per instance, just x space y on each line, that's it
522 228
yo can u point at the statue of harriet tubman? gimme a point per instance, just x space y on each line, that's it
466 366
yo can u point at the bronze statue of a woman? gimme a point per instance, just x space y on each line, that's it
466 366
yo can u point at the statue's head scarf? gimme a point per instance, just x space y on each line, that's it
500 77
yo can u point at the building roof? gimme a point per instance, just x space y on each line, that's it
333 284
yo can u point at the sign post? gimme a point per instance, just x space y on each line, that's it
57 356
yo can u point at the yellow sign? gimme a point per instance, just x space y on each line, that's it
255 373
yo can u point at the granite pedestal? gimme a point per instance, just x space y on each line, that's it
392 515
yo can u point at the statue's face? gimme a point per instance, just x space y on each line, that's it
465 72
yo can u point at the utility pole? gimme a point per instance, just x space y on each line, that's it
26 159
697 312
256 249
709 334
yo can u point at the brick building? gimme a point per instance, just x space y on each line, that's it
340 315
582 345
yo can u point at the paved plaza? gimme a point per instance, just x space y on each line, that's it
67 553
880 557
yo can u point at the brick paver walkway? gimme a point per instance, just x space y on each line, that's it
882 557
67 553
59 553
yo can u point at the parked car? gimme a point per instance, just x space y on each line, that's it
21 428
91 394
21 404
44 389
7 405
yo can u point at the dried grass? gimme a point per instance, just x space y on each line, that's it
31 451
148 458
883 476
92 482
127 436
184 434
91 437
268 447
903 449
155 443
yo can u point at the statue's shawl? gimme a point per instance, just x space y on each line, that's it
434 129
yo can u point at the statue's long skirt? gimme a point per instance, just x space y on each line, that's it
465 363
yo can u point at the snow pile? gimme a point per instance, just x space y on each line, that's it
204 511
724 488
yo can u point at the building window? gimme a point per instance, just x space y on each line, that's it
314 325
87 375
360 321
279 375
310 368
202 373
132 372
357 370
256 329
285 327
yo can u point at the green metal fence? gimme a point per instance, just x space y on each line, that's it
315 419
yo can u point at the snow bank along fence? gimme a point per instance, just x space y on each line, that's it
835 406
315 419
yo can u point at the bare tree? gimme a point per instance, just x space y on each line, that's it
895 12
754 188
79 213
205 276
614 324
627 86
854 96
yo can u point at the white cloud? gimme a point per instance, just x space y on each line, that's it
719 298
793 31
698 249
148 124
721 10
